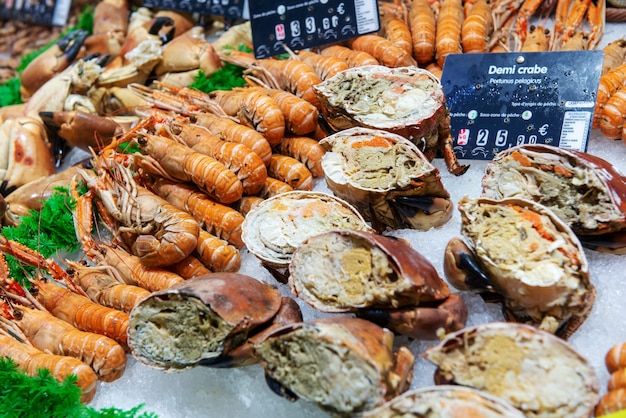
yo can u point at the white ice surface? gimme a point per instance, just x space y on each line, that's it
239 393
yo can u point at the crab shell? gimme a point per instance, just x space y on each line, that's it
386 177
346 270
528 256
344 365
535 371
445 401
407 101
25 154
200 320
275 228
585 191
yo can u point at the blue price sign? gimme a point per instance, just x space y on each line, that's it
301 24
497 101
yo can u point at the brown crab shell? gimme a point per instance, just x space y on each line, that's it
585 191
445 401
540 270
344 365
376 170
348 270
275 228
407 101
538 373
200 319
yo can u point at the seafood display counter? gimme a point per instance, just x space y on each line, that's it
245 391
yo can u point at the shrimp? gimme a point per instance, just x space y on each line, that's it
477 28
104 289
397 31
613 111
423 23
300 115
291 171
273 187
609 83
537 40
385 52
184 164
577 42
217 254
325 66
133 271
352 57
55 336
161 233
255 110
617 380
219 220
610 402
292 75
247 203
448 31
615 358
30 360
189 268
614 55
527 9
222 127
306 150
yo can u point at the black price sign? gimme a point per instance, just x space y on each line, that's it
40 12
229 9
500 100
304 24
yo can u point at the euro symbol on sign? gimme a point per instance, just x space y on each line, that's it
544 129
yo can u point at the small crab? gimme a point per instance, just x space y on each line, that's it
212 320
382 279
519 252
344 365
387 178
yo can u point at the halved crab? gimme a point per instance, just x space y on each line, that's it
535 371
386 177
407 101
379 278
344 365
522 252
587 192
445 401
208 320
276 227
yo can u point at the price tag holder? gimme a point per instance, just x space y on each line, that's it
229 9
305 24
500 100
46 13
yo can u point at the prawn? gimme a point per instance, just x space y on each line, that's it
222 127
217 254
273 187
162 234
105 289
423 23
477 28
292 75
290 171
30 360
537 40
350 56
613 111
306 150
448 30
300 115
325 66
220 220
614 55
184 164
397 31
385 52
608 85
189 268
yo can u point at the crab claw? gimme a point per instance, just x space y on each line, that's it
421 212
157 26
461 269
51 62
422 322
